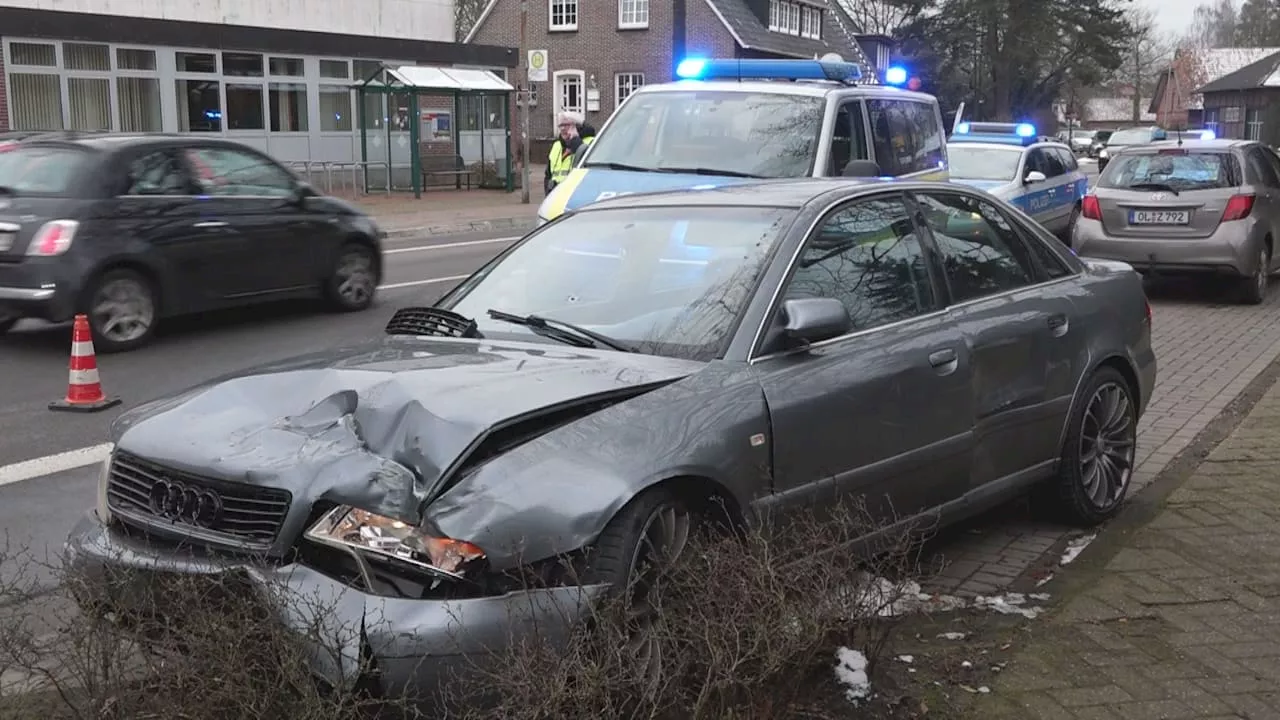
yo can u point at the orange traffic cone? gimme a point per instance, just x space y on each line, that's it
84 391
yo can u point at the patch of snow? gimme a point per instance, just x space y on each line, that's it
1044 580
906 658
966 664
851 671
984 689
1008 604
1076 546
880 597
952 636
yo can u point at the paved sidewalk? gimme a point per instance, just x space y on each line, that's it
1183 619
446 211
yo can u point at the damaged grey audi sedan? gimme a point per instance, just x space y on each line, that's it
612 377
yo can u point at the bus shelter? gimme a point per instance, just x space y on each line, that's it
445 125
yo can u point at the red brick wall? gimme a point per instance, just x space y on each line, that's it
597 48
4 98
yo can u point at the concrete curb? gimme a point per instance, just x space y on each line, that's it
514 224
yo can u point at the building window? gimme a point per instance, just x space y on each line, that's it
335 69
1253 124
83 56
1211 120
569 93
286 66
199 105
135 59
138 99
203 63
633 14
530 91
288 103
786 16
564 14
35 95
89 103
335 108
627 83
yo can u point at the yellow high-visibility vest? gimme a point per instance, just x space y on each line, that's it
560 163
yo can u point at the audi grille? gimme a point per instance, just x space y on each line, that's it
155 498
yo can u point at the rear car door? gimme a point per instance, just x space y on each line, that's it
883 413
1016 327
284 242
158 213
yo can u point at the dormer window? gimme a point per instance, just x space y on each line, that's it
795 18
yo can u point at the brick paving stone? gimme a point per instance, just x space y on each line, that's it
1187 626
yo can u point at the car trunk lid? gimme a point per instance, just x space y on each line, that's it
38 182
21 219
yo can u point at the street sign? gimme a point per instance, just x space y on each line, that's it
537 66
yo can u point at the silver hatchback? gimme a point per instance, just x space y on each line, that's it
1202 206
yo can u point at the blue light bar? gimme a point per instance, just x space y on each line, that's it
895 76
1208 135
992 132
992 138
962 128
760 69
1025 130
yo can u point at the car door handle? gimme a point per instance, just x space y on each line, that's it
944 361
210 224
1058 325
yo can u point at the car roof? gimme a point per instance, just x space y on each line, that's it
790 193
806 88
1190 144
110 141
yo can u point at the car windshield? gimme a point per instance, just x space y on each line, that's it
1181 172
1083 134
667 281
41 169
1136 136
737 133
980 163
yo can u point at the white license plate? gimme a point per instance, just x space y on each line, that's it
6 241
1159 217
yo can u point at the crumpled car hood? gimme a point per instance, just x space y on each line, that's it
375 426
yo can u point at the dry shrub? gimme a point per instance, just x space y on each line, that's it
749 623
190 648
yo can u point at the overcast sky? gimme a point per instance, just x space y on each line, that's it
1174 16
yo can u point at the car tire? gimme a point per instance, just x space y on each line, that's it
618 557
353 284
1253 289
1071 225
1093 477
122 310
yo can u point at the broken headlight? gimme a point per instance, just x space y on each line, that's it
358 530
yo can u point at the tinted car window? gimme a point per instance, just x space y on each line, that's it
848 138
867 255
1259 169
906 136
671 281
226 171
763 134
157 173
981 253
1180 171
1051 164
43 170
1068 159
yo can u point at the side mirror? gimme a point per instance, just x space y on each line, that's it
1035 176
862 168
812 320
301 191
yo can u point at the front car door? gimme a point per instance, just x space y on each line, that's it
284 243
1044 200
1019 328
884 413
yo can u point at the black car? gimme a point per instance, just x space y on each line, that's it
129 229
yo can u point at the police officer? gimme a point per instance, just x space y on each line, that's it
563 150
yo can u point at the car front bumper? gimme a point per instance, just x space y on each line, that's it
418 645
1227 252
36 288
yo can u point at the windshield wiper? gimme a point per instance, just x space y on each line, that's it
1154 186
712 171
562 331
622 166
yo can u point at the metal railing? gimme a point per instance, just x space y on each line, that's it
344 178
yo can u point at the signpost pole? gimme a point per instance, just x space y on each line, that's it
525 95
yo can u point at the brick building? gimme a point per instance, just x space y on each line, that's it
599 51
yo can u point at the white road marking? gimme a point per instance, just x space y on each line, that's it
50 464
447 246
428 281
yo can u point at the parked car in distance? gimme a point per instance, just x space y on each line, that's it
1200 206
623 373
1099 141
131 229
1078 140
1124 138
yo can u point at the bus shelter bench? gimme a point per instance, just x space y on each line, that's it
445 166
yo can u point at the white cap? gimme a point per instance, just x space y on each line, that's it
568 117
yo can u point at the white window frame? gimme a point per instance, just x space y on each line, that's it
639 11
775 15
632 83
811 23
566 6
558 102
1253 127
793 18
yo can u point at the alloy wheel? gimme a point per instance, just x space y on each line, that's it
122 310
1108 444
663 540
1264 261
356 279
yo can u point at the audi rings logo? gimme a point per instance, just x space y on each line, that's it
182 503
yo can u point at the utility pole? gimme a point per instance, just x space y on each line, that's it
524 107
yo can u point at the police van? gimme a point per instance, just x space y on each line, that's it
1009 160
732 121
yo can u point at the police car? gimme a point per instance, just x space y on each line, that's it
731 121
1010 161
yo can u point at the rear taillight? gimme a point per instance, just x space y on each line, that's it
54 238
6 145
1090 209
1238 208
